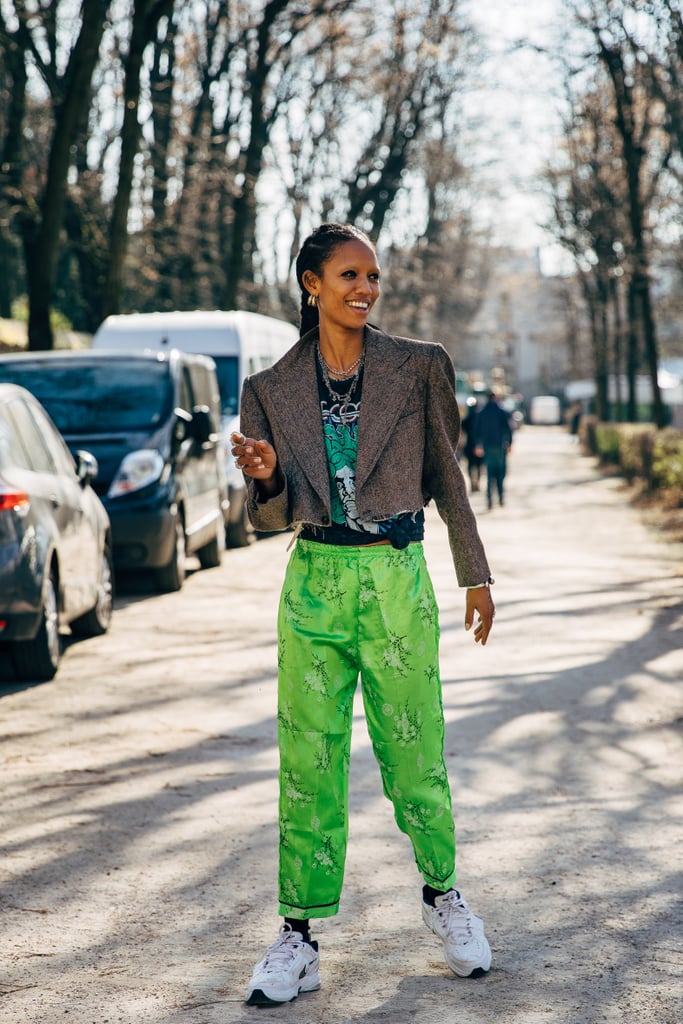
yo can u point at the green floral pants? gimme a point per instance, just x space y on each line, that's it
345 612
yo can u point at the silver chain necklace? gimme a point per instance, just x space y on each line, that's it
343 374
344 400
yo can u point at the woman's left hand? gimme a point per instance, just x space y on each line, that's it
479 600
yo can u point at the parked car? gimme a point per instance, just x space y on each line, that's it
55 540
239 343
545 409
152 420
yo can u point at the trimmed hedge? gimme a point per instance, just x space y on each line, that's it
643 454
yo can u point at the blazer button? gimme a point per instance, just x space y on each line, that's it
326 520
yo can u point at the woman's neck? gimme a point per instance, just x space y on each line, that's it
340 349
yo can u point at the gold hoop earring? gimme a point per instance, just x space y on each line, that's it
313 300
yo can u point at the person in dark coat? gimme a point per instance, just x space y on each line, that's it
493 440
473 460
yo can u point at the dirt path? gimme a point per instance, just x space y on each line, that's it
138 793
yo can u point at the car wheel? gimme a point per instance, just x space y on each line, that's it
98 619
240 533
211 555
38 659
172 576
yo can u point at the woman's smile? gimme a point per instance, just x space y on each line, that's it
349 285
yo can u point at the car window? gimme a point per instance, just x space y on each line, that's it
107 396
226 370
12 452
31 438
186 394
204 390
60 454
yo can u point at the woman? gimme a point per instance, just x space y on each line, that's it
346 439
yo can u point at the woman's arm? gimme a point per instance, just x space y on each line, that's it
443 477
267 497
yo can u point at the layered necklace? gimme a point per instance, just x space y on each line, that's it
352 372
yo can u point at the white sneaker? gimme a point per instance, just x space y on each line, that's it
289 967
462 933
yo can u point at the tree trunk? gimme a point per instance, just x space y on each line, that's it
617 346
602 348
599 368
146 16
10 166
42 236
634 155
243 210
632 352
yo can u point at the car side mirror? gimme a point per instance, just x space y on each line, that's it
202 427
182 427
86 467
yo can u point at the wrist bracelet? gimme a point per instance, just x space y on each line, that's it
487 583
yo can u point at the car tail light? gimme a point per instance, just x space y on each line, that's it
12 498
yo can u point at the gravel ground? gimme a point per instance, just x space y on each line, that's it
138 792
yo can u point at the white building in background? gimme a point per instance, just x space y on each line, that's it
524 327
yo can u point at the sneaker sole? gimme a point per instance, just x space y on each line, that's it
478 971
260 998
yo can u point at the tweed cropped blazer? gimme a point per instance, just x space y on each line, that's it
407 438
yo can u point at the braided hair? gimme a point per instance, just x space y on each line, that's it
314 252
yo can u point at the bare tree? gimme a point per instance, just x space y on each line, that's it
65 66
210 136
417 73
436 284
13 81
645 151
588 194
146 15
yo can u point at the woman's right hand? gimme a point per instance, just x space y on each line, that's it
255 458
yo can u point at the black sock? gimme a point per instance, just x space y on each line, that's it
429 894
302 927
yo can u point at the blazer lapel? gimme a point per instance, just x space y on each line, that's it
294 393
387 383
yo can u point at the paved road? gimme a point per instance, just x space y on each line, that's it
137 795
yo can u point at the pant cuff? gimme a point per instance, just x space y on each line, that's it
303 913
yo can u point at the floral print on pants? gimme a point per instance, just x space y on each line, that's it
347 612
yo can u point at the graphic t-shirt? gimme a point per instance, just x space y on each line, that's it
340 429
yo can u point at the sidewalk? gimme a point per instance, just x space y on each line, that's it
138 793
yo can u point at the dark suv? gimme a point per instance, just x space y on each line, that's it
152 421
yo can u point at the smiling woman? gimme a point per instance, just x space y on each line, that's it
343 294
346 438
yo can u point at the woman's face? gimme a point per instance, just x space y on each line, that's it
349 286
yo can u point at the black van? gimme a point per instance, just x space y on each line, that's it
153 422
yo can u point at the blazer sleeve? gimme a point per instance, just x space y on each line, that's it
274 513
443 478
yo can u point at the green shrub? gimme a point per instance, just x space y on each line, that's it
635 442
652 457
607 442
667 460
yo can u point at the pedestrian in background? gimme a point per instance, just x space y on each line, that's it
346 438
493 440
473 458
575 415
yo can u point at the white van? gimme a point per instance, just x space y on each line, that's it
238 342
545 409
